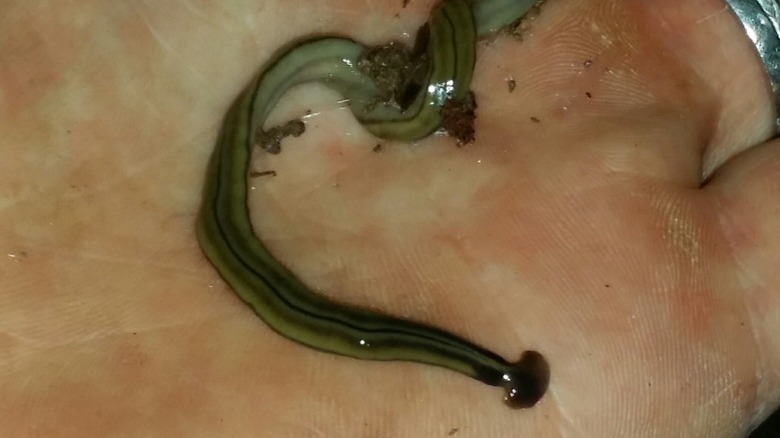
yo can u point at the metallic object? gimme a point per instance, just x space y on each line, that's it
761 20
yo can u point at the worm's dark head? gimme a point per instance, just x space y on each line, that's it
526 381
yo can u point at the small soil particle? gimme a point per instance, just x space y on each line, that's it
458 118
271 139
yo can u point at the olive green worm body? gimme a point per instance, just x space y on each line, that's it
286 304
492 15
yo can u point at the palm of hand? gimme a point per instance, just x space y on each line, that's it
575 225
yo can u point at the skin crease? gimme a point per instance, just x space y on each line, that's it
583 235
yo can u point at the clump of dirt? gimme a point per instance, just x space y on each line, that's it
458 117
398 71
271 139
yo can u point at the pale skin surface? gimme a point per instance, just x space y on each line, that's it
583 235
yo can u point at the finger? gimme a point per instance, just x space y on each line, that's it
596 90
747 194
708 35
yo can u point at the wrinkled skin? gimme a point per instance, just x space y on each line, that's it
584 235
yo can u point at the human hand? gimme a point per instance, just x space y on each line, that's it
575 225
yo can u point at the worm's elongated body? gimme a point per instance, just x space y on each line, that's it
286 304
